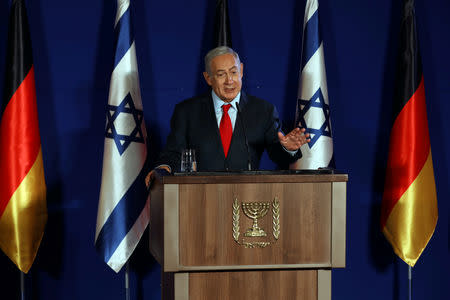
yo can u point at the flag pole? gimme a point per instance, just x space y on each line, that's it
409 282
127 281
22 285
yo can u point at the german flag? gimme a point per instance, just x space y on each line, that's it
23 209
409 208
222 31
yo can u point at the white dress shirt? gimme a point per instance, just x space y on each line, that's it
232 112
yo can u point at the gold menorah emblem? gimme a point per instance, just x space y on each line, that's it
255 211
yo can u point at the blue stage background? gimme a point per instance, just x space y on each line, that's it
73 48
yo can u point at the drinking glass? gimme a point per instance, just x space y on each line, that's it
188 161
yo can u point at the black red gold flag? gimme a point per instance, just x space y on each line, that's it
23 208
409 207
222 32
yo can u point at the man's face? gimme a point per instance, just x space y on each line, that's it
226 77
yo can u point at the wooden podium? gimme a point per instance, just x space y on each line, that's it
253 235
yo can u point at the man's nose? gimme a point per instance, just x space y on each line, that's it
229 78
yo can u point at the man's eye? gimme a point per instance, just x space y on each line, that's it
220 75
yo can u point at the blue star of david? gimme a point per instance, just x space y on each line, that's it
127 107
316 100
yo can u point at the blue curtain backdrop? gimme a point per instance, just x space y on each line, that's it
73 48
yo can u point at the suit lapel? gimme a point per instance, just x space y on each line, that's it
238 136
211 124
243 101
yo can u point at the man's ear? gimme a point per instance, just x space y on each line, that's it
207 78
242 70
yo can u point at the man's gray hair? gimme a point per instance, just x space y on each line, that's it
221 50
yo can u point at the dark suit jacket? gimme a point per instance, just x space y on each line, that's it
194 126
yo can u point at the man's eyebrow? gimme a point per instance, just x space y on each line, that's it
223 70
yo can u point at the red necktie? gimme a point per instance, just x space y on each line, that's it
226 130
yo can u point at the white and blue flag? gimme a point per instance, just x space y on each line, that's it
313 110
123 210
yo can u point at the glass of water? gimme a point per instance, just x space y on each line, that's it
188 161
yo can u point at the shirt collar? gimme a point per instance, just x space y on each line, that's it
219 102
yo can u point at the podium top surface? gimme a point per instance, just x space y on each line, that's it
261 176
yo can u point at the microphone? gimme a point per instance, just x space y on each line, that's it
249 162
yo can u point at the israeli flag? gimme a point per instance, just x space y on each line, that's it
123 210
313 110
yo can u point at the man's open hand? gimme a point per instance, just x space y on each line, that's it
294 139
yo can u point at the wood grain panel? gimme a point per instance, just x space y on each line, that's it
156 221
261 285
206 224
338 206
323 284
197 178
171 227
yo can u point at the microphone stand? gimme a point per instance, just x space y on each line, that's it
249 162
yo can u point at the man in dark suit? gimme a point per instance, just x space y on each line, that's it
215 124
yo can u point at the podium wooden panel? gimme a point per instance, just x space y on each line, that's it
197 234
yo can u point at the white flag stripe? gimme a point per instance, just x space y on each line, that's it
122 6
313 76
313 158
310 9
125 79
128 244
114 187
